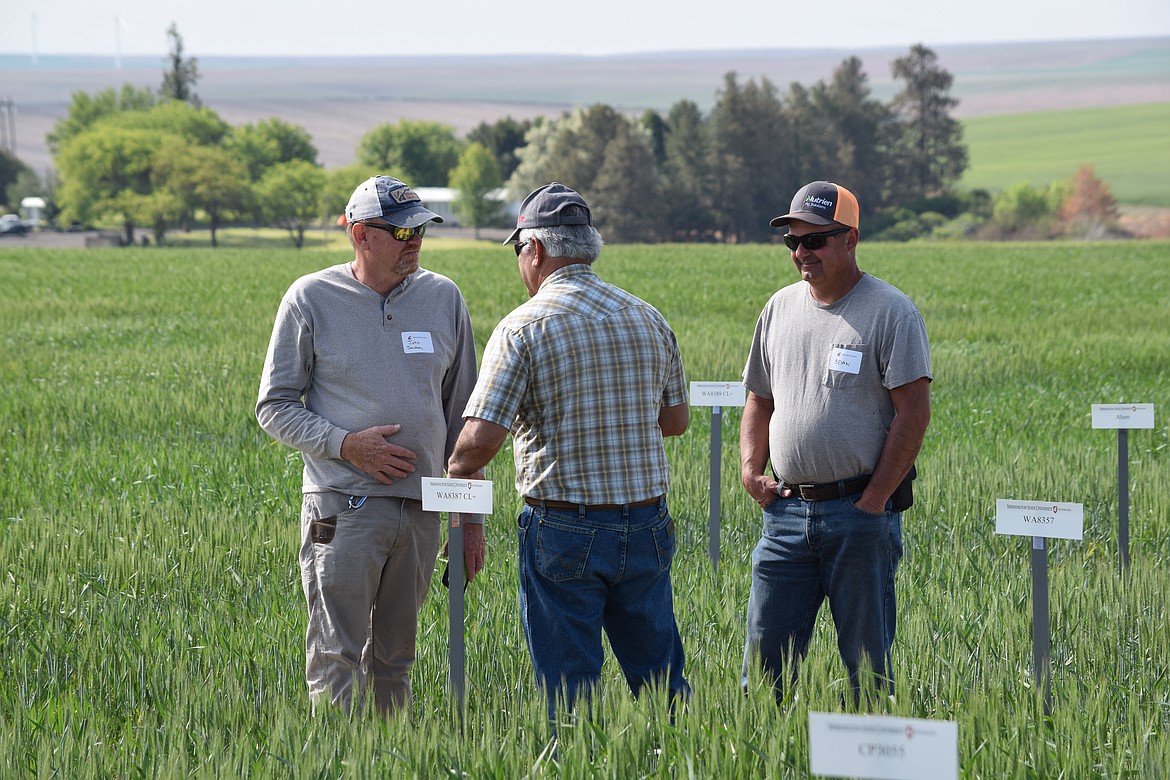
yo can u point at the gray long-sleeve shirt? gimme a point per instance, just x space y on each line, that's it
342 359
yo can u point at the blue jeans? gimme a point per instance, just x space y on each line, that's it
810 551
581 572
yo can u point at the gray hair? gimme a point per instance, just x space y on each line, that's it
575 242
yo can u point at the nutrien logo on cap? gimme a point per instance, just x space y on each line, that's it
818 202
404 195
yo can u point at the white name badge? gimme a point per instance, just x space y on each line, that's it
417 341
472 496
718 394
882 747
1123 415
845 360
1053 520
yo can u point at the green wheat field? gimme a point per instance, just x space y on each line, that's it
151 615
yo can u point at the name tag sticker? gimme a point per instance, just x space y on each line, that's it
472 496
718 394
845 360
1123 416
1050 519
417 341
873 746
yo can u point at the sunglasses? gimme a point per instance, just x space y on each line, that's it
399 233
812 241
519 247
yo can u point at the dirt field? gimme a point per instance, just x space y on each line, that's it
338 100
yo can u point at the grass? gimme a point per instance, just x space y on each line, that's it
1127 146
151 620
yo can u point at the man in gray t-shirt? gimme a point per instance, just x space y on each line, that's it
368 370
838 382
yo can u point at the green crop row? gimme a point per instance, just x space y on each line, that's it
151 618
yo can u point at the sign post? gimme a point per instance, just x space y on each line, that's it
716 395
1040 520
457 497
1123 417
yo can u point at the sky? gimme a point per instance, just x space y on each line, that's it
597 27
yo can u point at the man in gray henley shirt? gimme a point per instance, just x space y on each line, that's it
369 368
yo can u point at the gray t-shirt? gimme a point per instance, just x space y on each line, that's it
343 358
828 370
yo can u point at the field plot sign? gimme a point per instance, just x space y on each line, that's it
1123 417
1041 520
456 497
882 748
716 395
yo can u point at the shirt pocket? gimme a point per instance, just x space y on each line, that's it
844 365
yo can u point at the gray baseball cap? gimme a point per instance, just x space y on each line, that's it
543 206
390 200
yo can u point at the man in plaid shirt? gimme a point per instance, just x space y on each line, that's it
588 379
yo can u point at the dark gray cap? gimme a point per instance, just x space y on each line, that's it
543 207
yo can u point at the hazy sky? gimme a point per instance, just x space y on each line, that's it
390 27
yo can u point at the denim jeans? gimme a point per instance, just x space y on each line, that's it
582 572
810 551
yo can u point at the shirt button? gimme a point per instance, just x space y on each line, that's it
389 316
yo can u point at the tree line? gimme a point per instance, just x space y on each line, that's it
159 160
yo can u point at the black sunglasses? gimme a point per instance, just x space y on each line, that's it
812 241
399 233
519 247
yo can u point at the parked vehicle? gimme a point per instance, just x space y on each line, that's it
10 224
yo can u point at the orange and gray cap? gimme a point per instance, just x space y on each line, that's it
822 203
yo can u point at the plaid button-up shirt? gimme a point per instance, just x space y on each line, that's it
579 373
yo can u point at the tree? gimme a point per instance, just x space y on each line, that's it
182 74
627 191
421 153
502 139
747 163
1089 210
206 178
476 175
85 110
106 171
686 196
855 133
570 150
269 142
931 154
339 186
1022 210
11 171
290 196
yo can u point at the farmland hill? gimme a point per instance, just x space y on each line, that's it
337 100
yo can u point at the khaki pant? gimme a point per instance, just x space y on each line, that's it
366 570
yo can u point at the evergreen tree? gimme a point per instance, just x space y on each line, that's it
627 193
931 155
182 73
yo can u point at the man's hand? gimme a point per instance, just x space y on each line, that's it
370 452
474 549
762 488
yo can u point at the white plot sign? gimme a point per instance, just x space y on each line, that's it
1052 519
883 748
471 496
718 394
1128 416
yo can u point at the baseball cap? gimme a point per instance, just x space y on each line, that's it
543 206
822 203
390 200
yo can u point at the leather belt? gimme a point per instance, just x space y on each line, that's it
828 490
569 505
